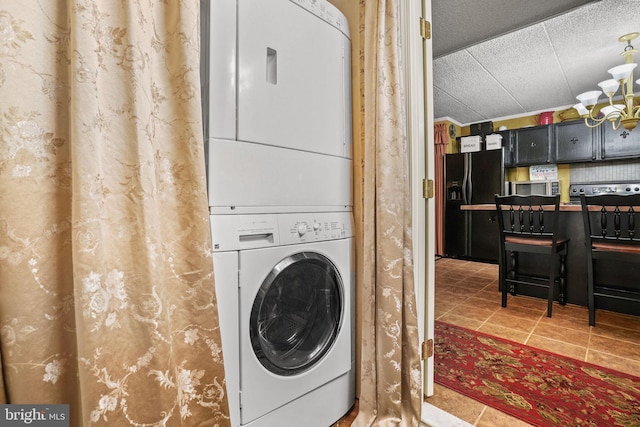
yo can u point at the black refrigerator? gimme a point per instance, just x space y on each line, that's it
472 178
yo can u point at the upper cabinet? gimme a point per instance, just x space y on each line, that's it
574 142
619 144
509 148
532 145
570 142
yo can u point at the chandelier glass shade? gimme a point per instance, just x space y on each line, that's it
625 112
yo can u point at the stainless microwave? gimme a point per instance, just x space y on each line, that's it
542 188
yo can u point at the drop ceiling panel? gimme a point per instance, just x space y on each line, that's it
526 66
463 23
446 106
538 67
461 77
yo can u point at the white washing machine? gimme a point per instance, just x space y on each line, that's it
276 84
285 290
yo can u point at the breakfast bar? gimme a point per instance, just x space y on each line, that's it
564 207
572 227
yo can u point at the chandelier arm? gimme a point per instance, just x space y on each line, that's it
596 122
616 124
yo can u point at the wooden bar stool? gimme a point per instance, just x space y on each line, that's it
529 224
610 234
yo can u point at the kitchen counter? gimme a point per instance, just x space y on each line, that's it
564 207
572 227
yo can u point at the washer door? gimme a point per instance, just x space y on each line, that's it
297 313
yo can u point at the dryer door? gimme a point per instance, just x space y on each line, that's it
297 313
293 76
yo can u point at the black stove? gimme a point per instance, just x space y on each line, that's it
594 188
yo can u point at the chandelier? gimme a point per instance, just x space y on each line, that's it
626 113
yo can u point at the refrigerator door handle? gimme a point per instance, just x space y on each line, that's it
470 185
465 178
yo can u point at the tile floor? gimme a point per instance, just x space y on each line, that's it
467 295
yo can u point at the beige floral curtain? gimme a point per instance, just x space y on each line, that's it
441 139
390 372
106 289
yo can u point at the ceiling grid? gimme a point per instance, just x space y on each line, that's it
502 58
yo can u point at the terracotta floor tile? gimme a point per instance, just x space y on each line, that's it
460 269
558 333
523 313
570 311
614 347
504 332
451 280
621 364
494 418
465 322
482 303
439 314
557 347
489 293
465 288
511 320
451 297
617 319
478 281
527 302
490 270
565 322
607 318
477 313
442 309
623 334
456 404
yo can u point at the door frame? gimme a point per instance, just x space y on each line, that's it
418 56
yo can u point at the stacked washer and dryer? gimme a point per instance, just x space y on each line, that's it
277 98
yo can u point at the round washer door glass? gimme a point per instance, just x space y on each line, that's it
297 313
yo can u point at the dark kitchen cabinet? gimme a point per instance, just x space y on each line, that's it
486 245
533 145
574 142
509 148
619 144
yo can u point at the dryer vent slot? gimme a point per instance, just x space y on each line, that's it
254 238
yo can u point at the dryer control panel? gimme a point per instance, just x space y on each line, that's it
314 227
239 232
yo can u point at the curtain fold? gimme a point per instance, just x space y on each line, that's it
441 139
390 372
106 276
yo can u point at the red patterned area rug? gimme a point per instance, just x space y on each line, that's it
536 386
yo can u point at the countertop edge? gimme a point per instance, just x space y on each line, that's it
564 207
